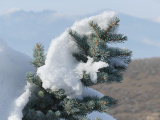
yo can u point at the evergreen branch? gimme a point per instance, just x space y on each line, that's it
115 52
32 79
102 77
81 41
110 102
114 38
96 104
94 48
86 81
115 78
96 28
112 75
38 54
86 105
120 68
115 22
80 57
104 53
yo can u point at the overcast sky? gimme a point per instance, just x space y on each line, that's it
149 9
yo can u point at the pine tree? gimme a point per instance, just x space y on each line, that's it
45 104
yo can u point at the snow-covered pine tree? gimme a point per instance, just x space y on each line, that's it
95 60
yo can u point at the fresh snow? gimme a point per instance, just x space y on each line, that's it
91 68
82 27
61 70
13 67
91 92
20 104
102 116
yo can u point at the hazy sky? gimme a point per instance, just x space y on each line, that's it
149 9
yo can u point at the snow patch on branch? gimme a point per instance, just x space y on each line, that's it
103 20
20 103
91 68
102 116
91 92
61 70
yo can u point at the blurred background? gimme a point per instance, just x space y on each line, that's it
23 23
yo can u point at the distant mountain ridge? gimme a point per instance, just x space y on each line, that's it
22 30
27 28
